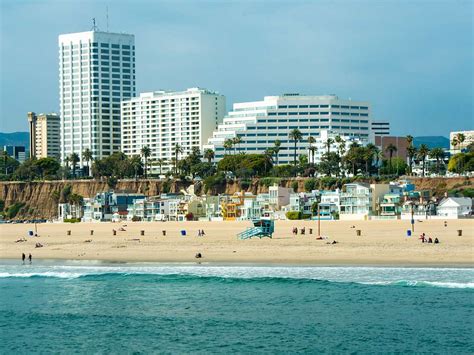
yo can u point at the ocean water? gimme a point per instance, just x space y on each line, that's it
155 308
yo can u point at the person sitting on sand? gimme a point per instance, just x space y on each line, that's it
202 232
335 242
436 241
430 240
319 238
122 229
198 256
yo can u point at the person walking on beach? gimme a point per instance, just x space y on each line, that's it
23 257
202 232
30 258
199 233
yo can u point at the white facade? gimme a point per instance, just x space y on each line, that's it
96 72
455 207
260 123
44 135
381 128
161 119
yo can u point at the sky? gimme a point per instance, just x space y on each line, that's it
412 60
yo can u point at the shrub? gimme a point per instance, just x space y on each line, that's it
215 181
310 184
269 181
72 220
13 209
189 216
305 216
468 192
293 215
294 186
245 184
166 186
136 219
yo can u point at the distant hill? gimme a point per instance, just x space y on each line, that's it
432 141
15 138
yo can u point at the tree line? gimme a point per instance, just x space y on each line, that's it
344 160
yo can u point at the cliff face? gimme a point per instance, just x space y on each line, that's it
39 202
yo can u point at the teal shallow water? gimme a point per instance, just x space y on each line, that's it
148 308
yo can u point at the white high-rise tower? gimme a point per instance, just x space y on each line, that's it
96 72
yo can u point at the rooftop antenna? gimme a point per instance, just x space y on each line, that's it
94 26
107 16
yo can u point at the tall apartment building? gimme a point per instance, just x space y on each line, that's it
96 72
260 123
162 119
381 128
45 139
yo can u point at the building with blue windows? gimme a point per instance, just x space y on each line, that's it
259 124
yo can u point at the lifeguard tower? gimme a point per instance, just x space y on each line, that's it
262 228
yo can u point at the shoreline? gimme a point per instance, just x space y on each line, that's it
112 263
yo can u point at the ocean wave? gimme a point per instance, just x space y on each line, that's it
377 276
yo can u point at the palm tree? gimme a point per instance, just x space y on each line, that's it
423 152
390 149
276 149
146 152
411 151
296 136
66 165
228 143
460 138
369 154
236 141
87 157
313 149
136 163
74 159
209 155
267 154
311 141
438 154
160 162
177 150
328 143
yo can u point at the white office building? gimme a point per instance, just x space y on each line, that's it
260 123
162 119
96 72
381 128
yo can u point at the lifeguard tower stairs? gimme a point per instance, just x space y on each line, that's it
262 228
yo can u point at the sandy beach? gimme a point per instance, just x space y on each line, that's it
381 242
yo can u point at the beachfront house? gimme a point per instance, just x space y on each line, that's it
279 196
391 205
108 206
355 201
329 206
455 207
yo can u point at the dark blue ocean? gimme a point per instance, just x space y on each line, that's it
151 308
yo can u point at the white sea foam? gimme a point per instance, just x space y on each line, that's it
410 277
